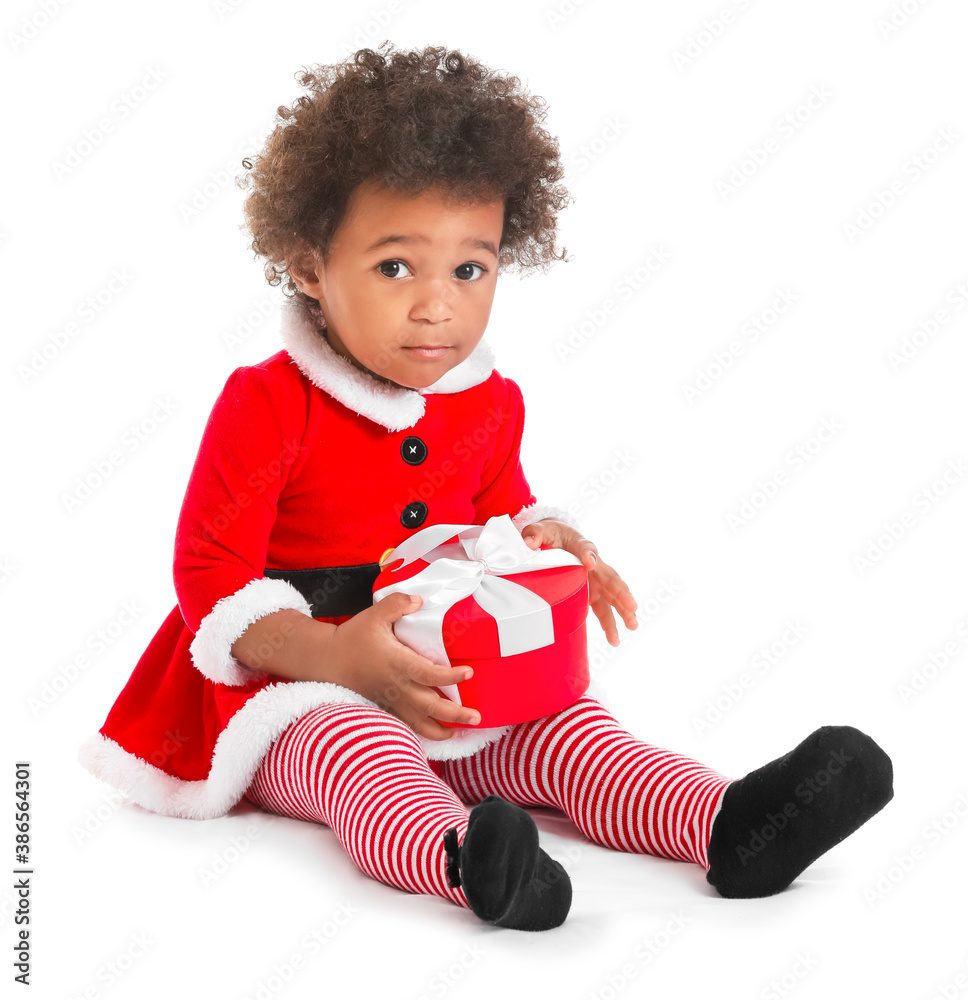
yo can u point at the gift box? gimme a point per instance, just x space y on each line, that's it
516 615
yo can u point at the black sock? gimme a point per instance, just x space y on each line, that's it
781 817
507 879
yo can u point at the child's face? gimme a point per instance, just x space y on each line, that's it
408 271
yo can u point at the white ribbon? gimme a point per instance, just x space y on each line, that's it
475 566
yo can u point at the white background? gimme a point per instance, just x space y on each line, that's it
648 145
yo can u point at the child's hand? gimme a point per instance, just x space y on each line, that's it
368 658
605 586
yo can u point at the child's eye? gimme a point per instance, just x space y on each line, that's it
394 267
461 271
397 269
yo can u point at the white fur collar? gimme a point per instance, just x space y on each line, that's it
392 407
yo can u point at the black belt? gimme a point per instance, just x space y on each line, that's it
332 591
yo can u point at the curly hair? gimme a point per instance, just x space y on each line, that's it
414 121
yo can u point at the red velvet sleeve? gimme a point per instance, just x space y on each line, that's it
504 487
247 449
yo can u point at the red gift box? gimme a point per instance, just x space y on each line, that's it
546 618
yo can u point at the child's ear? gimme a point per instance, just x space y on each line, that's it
305 269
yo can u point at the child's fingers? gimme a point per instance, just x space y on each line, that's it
601 604
438 707
608 585
626 605
425 709
423 671
603 613
425 675
424 726
421 707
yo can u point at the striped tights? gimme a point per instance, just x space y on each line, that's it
363 773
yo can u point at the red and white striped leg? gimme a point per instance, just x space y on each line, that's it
363 773
619 791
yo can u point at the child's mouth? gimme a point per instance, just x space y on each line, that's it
430 353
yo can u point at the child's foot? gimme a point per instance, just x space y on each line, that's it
781 817
507 879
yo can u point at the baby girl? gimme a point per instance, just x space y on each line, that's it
388 199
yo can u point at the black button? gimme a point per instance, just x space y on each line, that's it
413 450
414 514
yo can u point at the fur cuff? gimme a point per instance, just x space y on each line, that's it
463 743
539 511
211 648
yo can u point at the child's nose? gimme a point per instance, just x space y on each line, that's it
433 300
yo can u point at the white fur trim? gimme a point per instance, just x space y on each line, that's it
473 370
463 743
211 648
236 758
468 741
239 752
596 691
538 511
390 406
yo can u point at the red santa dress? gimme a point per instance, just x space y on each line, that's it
308 471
